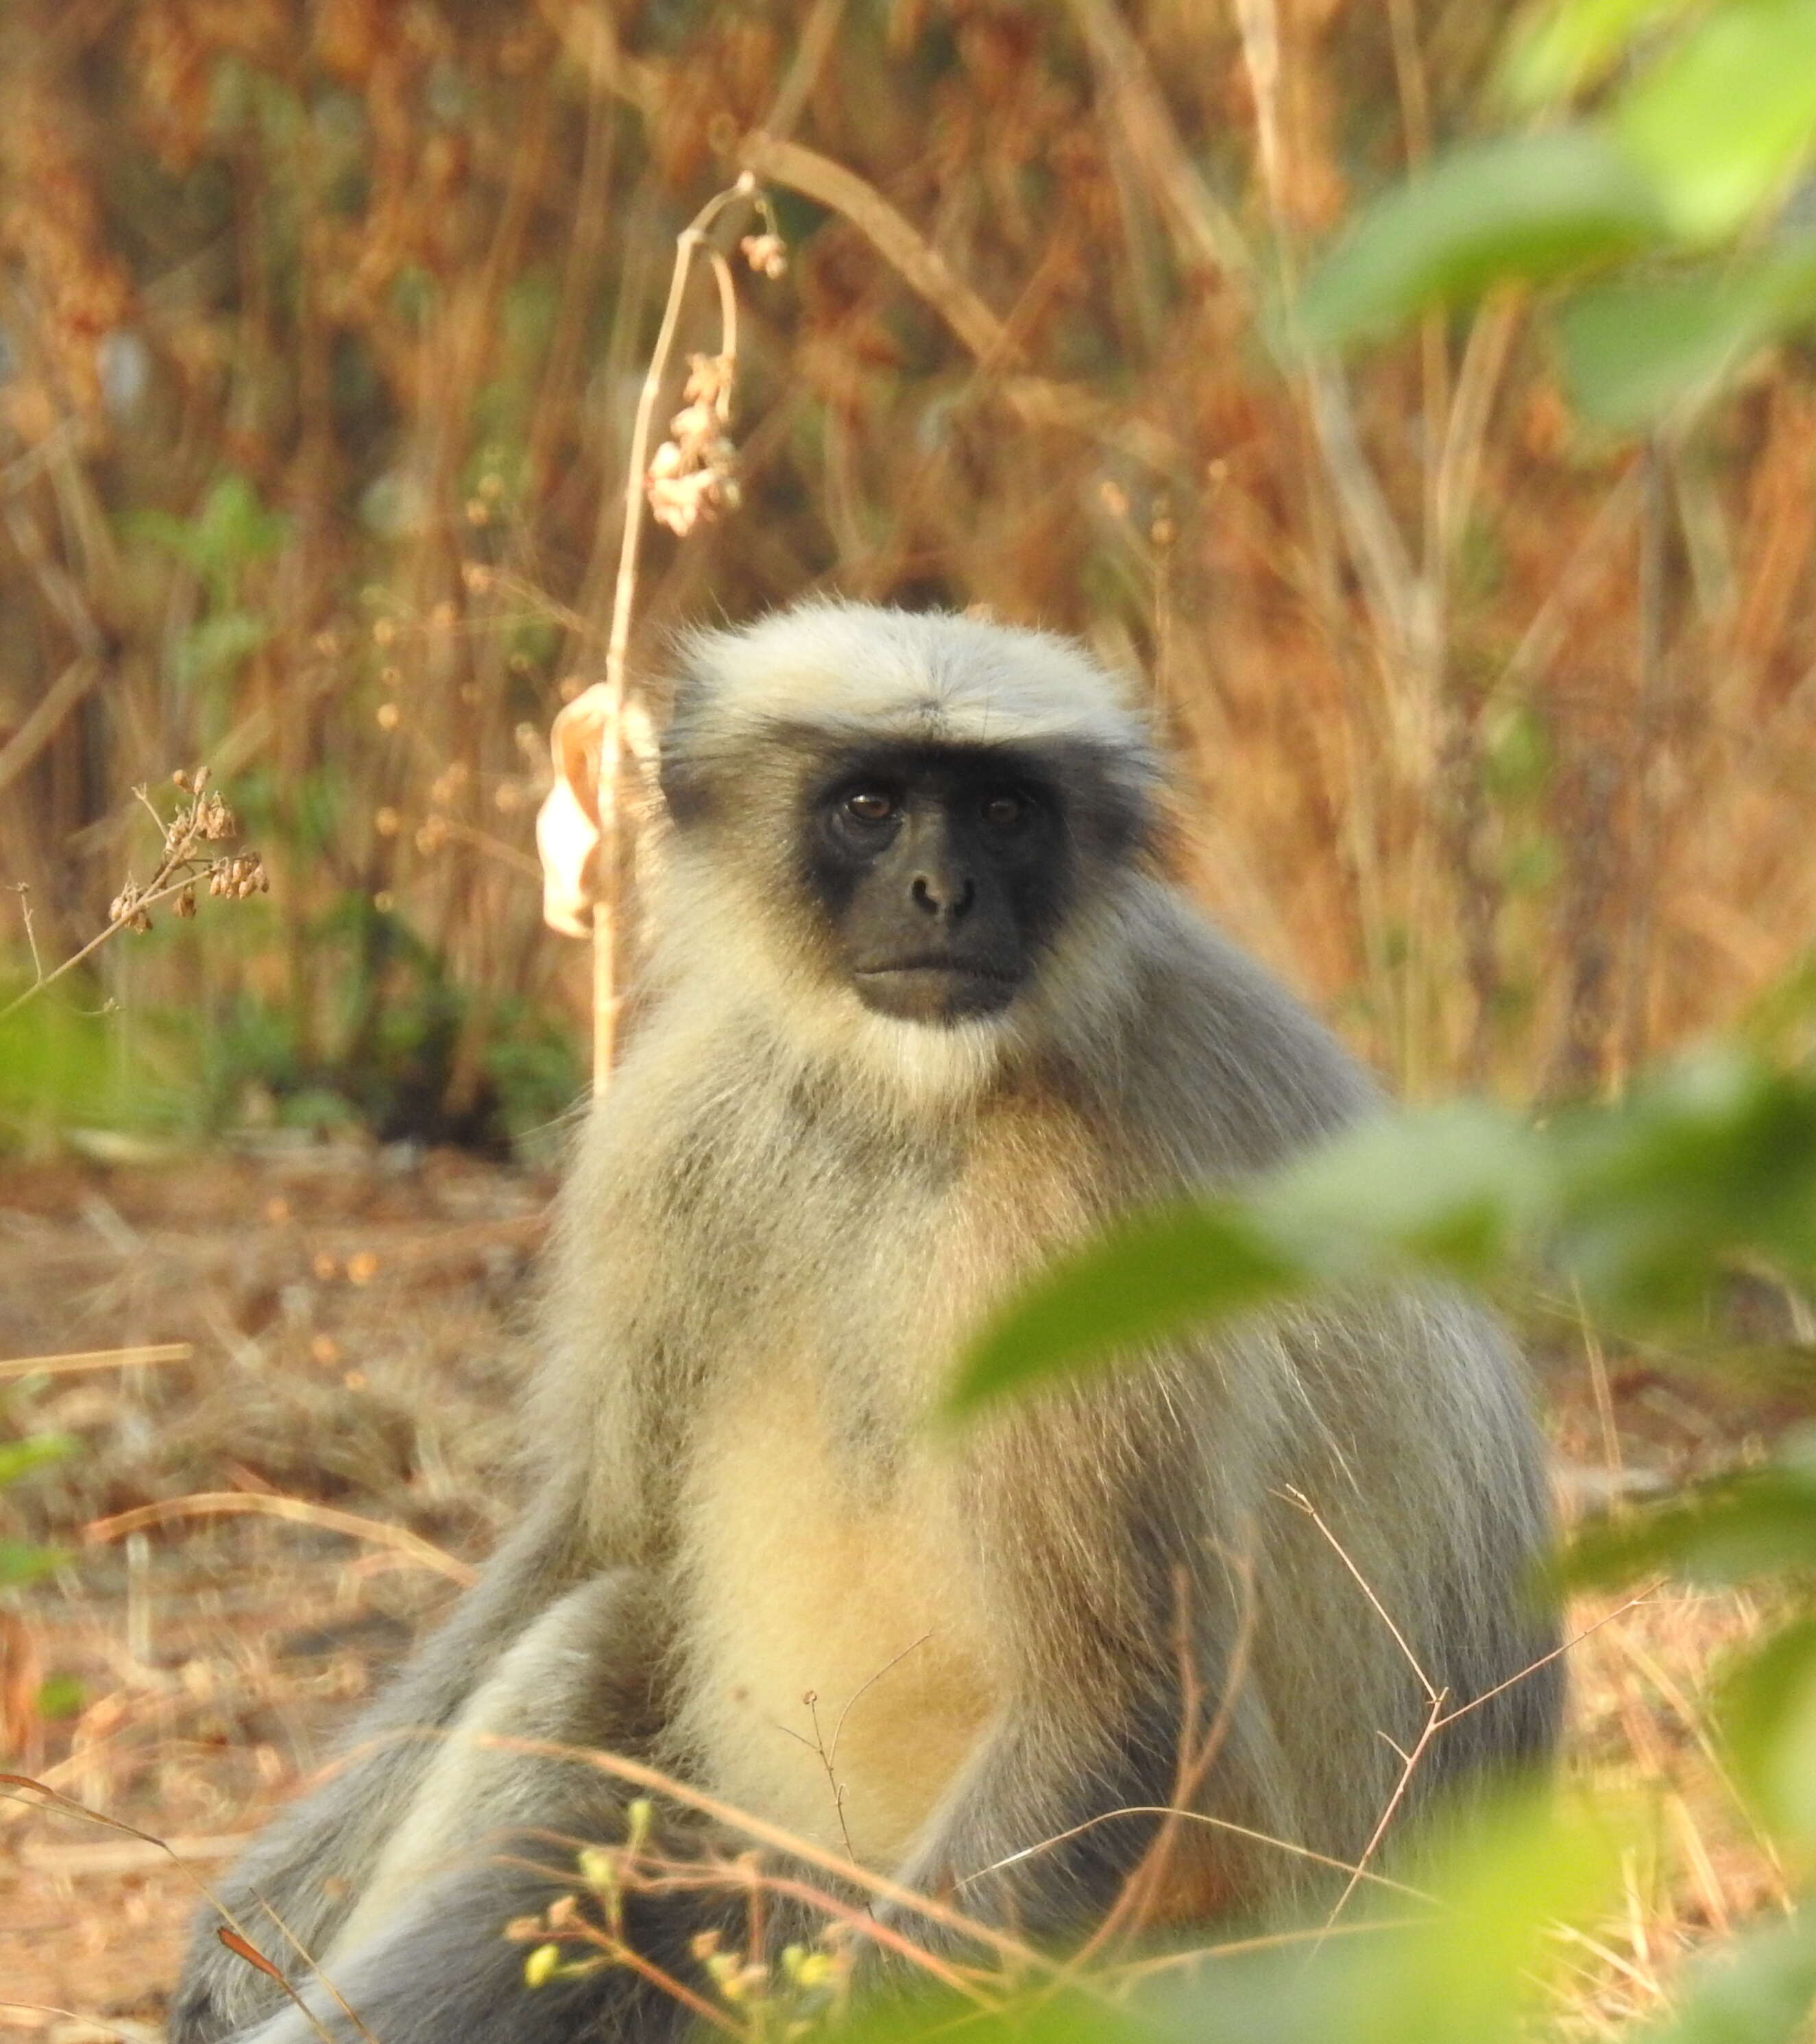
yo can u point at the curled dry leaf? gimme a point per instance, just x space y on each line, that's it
568 830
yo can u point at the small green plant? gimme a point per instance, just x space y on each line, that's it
220 545
22 1561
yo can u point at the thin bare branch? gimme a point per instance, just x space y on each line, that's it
298 1510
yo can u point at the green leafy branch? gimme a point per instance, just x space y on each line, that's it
1667 218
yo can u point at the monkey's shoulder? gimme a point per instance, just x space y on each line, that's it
1235 1071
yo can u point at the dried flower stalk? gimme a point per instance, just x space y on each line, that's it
202 819
689 479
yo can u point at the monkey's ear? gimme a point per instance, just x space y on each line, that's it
685 770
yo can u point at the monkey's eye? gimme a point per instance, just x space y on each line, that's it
869 805
1003 811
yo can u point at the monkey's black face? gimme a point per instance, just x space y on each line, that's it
941 871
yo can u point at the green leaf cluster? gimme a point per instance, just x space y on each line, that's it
1638 1210
1665 214
1637 1213
21 1561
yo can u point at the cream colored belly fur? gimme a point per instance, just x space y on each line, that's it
801 1588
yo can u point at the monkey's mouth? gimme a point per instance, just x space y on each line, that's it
936 989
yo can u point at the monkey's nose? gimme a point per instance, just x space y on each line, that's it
945 897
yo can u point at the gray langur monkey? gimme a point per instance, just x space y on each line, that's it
923 1007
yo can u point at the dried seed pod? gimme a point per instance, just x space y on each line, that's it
694 423
185 904
766 254
710 378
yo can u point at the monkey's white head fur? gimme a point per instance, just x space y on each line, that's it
927 674
758 710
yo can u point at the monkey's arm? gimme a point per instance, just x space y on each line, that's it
1095 1539
445 1973
509 1797
310 1867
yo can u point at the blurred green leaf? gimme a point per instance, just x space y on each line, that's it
60 1697
1146 1278
1518 759
1732 1530
1529 207
1474 1974
1641 1207
1713 1154
1451 1187
230 530
1759 1990
36 1451
1768 1713
54 1066
215 648
1575 42
21 1563
1723 122
1469 1970
1633 350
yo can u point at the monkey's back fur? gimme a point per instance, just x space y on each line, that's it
752 1562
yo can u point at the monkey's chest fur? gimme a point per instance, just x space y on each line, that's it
838 1660
836 1656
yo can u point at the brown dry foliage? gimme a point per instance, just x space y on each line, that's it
399 267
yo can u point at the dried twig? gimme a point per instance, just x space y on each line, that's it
654 1781
202 819
807 171
15 1367
37 1794
299 1511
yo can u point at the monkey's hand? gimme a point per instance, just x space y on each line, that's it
445 1973
221 1993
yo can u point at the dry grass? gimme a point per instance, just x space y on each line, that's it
399 269
353 1329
